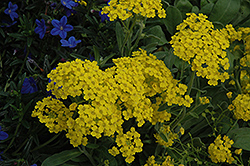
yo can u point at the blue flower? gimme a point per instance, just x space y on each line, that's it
11 11
29 86
68 4
3 135
60 27
41 28
71 43
53 5
34 165
103 16
69 11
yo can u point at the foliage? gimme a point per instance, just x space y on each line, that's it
124 82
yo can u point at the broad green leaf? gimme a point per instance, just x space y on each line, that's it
155 34
243 13
195 10
184 6
119 35
241 137
61 158
206 9
224 11
173 18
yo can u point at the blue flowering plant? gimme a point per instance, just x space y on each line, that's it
61 27
71 42
41 28
11 11
3 135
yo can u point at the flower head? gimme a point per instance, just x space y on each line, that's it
61 28
3 135
11 11
103 16
68 3
29 86
71 43
41 28
69 12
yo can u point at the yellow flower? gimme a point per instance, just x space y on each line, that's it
229 95
219 151
182 130
203 47
238 151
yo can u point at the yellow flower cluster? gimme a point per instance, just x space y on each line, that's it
242 107
167 161
170 136
142 77
124 9
102 100
203 47
204 100
53 113
129 144
240 104
81 2
219 151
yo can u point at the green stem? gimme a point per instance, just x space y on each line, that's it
13 139
193 108
84 151
238 84
23 63
15 153
191 83
46 143
180 117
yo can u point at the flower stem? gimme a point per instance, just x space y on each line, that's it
191 83
84 151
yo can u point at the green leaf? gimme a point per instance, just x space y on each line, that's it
26 124
92 146
104 61
231 58
243 13
184 6
173 18
97 54
207 9
29 41
224 11
78 56
193 114
195 9
61 158
2 32
17 36
119 35
241 137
